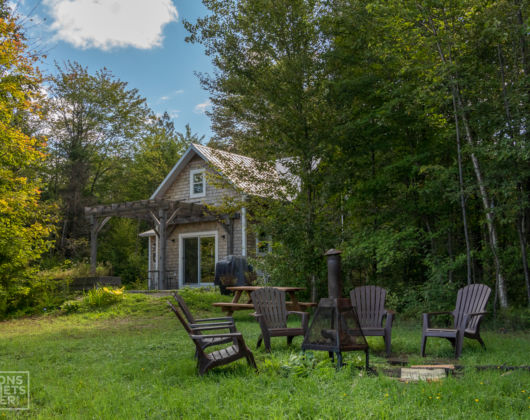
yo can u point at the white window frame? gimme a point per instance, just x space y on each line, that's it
192 173
210 233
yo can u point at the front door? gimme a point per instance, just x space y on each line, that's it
198 259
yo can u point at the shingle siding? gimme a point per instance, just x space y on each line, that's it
180 190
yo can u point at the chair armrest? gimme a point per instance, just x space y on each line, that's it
237 338
476 313
194 327
389 318
299 313
213 324
304 318
438 313
468 316
227 335
426 316
224 318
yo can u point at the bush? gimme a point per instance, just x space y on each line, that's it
201 298
104 296
513 319
70 307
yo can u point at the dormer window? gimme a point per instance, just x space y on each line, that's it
197 183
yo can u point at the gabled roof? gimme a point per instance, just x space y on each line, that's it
229 165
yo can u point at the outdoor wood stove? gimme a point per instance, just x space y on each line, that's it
335 326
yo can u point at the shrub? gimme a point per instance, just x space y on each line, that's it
513 319
201 298
70 307
103 296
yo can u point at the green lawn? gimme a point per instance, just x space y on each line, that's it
134 361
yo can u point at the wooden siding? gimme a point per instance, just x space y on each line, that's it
180 189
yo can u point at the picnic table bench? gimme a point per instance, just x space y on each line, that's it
236 305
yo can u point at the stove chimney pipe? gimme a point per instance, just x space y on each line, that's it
334 278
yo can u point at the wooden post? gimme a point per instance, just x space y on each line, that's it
163 246
93 245
95 227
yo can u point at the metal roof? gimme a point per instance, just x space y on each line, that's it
243 172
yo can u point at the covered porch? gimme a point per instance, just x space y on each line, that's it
165 216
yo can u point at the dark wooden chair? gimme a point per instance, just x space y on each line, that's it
196 329
192 320
470 305
207 361
369 303
271 313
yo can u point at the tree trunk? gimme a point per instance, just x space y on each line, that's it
462 194
494 242
522 240
492 231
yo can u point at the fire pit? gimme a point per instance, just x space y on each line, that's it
335 326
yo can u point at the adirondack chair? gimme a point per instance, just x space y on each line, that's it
369 303
207 361
470 305
271 313
197 329
192 320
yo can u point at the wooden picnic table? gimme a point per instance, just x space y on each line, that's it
293 304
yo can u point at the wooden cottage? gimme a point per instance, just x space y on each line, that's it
189 235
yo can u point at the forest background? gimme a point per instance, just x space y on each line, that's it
404 123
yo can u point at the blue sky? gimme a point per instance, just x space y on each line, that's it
140 41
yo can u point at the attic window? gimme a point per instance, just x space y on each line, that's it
197 183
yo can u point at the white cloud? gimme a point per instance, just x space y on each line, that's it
201 108
106 24
164 98
174 113
178 92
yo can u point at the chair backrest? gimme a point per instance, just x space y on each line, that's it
270 303
470 299
184 308
369 303
200 351
180 317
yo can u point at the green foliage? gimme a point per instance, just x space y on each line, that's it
268 95
201 298
153 157
370 102
70 307
513 319
120 245
69 270
99 297
88 165
25 222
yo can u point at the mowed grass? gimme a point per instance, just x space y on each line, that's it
133 360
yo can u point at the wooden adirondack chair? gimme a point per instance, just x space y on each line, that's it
470 305
207 361
369 303
192 320
196 329
271 313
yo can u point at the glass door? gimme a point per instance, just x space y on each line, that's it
191 258
198 260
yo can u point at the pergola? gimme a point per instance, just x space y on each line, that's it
165 214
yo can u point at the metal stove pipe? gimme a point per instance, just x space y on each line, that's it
334 277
